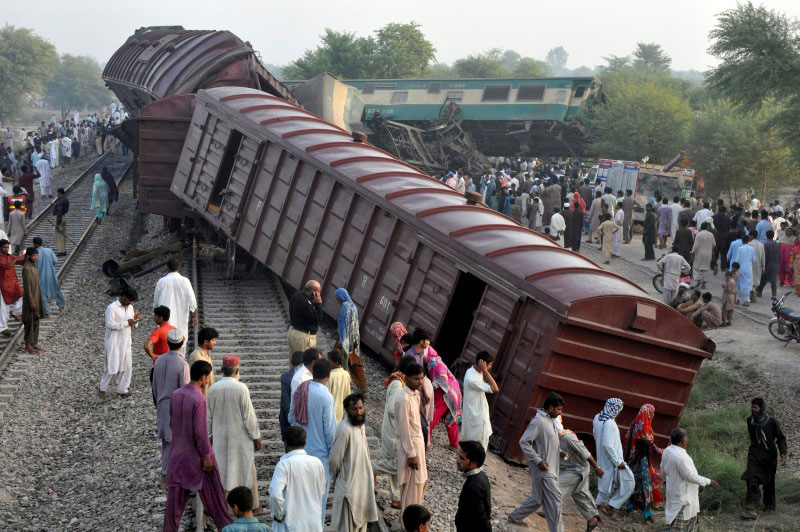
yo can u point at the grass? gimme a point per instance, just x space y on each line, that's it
715 421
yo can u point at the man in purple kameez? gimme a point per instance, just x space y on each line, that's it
192 466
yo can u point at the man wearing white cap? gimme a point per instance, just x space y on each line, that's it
170 372
234 430
557 224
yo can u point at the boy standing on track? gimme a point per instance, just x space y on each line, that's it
32 310
119 319
192 466
60 210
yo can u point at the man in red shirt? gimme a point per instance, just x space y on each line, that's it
156 345
10 289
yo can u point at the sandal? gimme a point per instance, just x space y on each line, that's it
750 515
589 527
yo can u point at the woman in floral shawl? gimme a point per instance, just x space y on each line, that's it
348 323
100 195
398 330
446 397
640 453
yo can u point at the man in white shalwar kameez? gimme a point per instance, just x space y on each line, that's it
540 445
702 252
119 319
354 504
475 422
673 225
758 265
297 487
53 147
45 177
616 485
674 264
175 292
234 429
681 501
387 463
619 220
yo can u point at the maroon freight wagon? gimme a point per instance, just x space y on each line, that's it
310 202
154 74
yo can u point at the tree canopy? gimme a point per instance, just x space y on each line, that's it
651 57
759 51
76 84
26 60
557 58
639 118
396 51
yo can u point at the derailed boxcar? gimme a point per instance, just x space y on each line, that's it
154 74
309 201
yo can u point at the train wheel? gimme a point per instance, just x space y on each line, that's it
779 331
658 282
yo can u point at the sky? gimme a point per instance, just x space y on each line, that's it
282 31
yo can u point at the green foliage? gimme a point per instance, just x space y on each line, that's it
396 51
651 57
341 53
76 84
401 51
557 58
527 67
439 70
489 64
26 60
511 59
759 51
640 118
715 421
733 150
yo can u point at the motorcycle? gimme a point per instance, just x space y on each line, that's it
685 277
785 326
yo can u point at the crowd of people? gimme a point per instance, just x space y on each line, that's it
634 474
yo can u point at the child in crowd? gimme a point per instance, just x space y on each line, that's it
240 500
416 518
339 383
729 295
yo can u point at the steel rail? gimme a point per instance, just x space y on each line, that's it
8 351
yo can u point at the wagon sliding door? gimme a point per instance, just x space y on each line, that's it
214 169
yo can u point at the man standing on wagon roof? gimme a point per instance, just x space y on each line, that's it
305 308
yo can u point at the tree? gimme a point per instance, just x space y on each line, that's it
341 53
527 67
26 60
511 59
759 51
557 57
401 51
76 84
489 64
734 152
614 63
439 70
651 57
396 51
639 118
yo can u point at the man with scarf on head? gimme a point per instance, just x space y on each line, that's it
354 504
766 441
616 486
113 191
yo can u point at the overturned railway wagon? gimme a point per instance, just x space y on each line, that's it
154 74
309 201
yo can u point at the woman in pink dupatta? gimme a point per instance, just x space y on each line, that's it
446 397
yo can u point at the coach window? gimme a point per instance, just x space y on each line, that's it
369 88
399 97
435 87
580 91
454 96
496 93
530 93
561 96
225 170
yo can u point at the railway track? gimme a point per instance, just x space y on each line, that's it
251 315
79 227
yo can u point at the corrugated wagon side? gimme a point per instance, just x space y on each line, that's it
308 201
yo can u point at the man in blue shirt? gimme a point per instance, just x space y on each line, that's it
763 226
312 408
